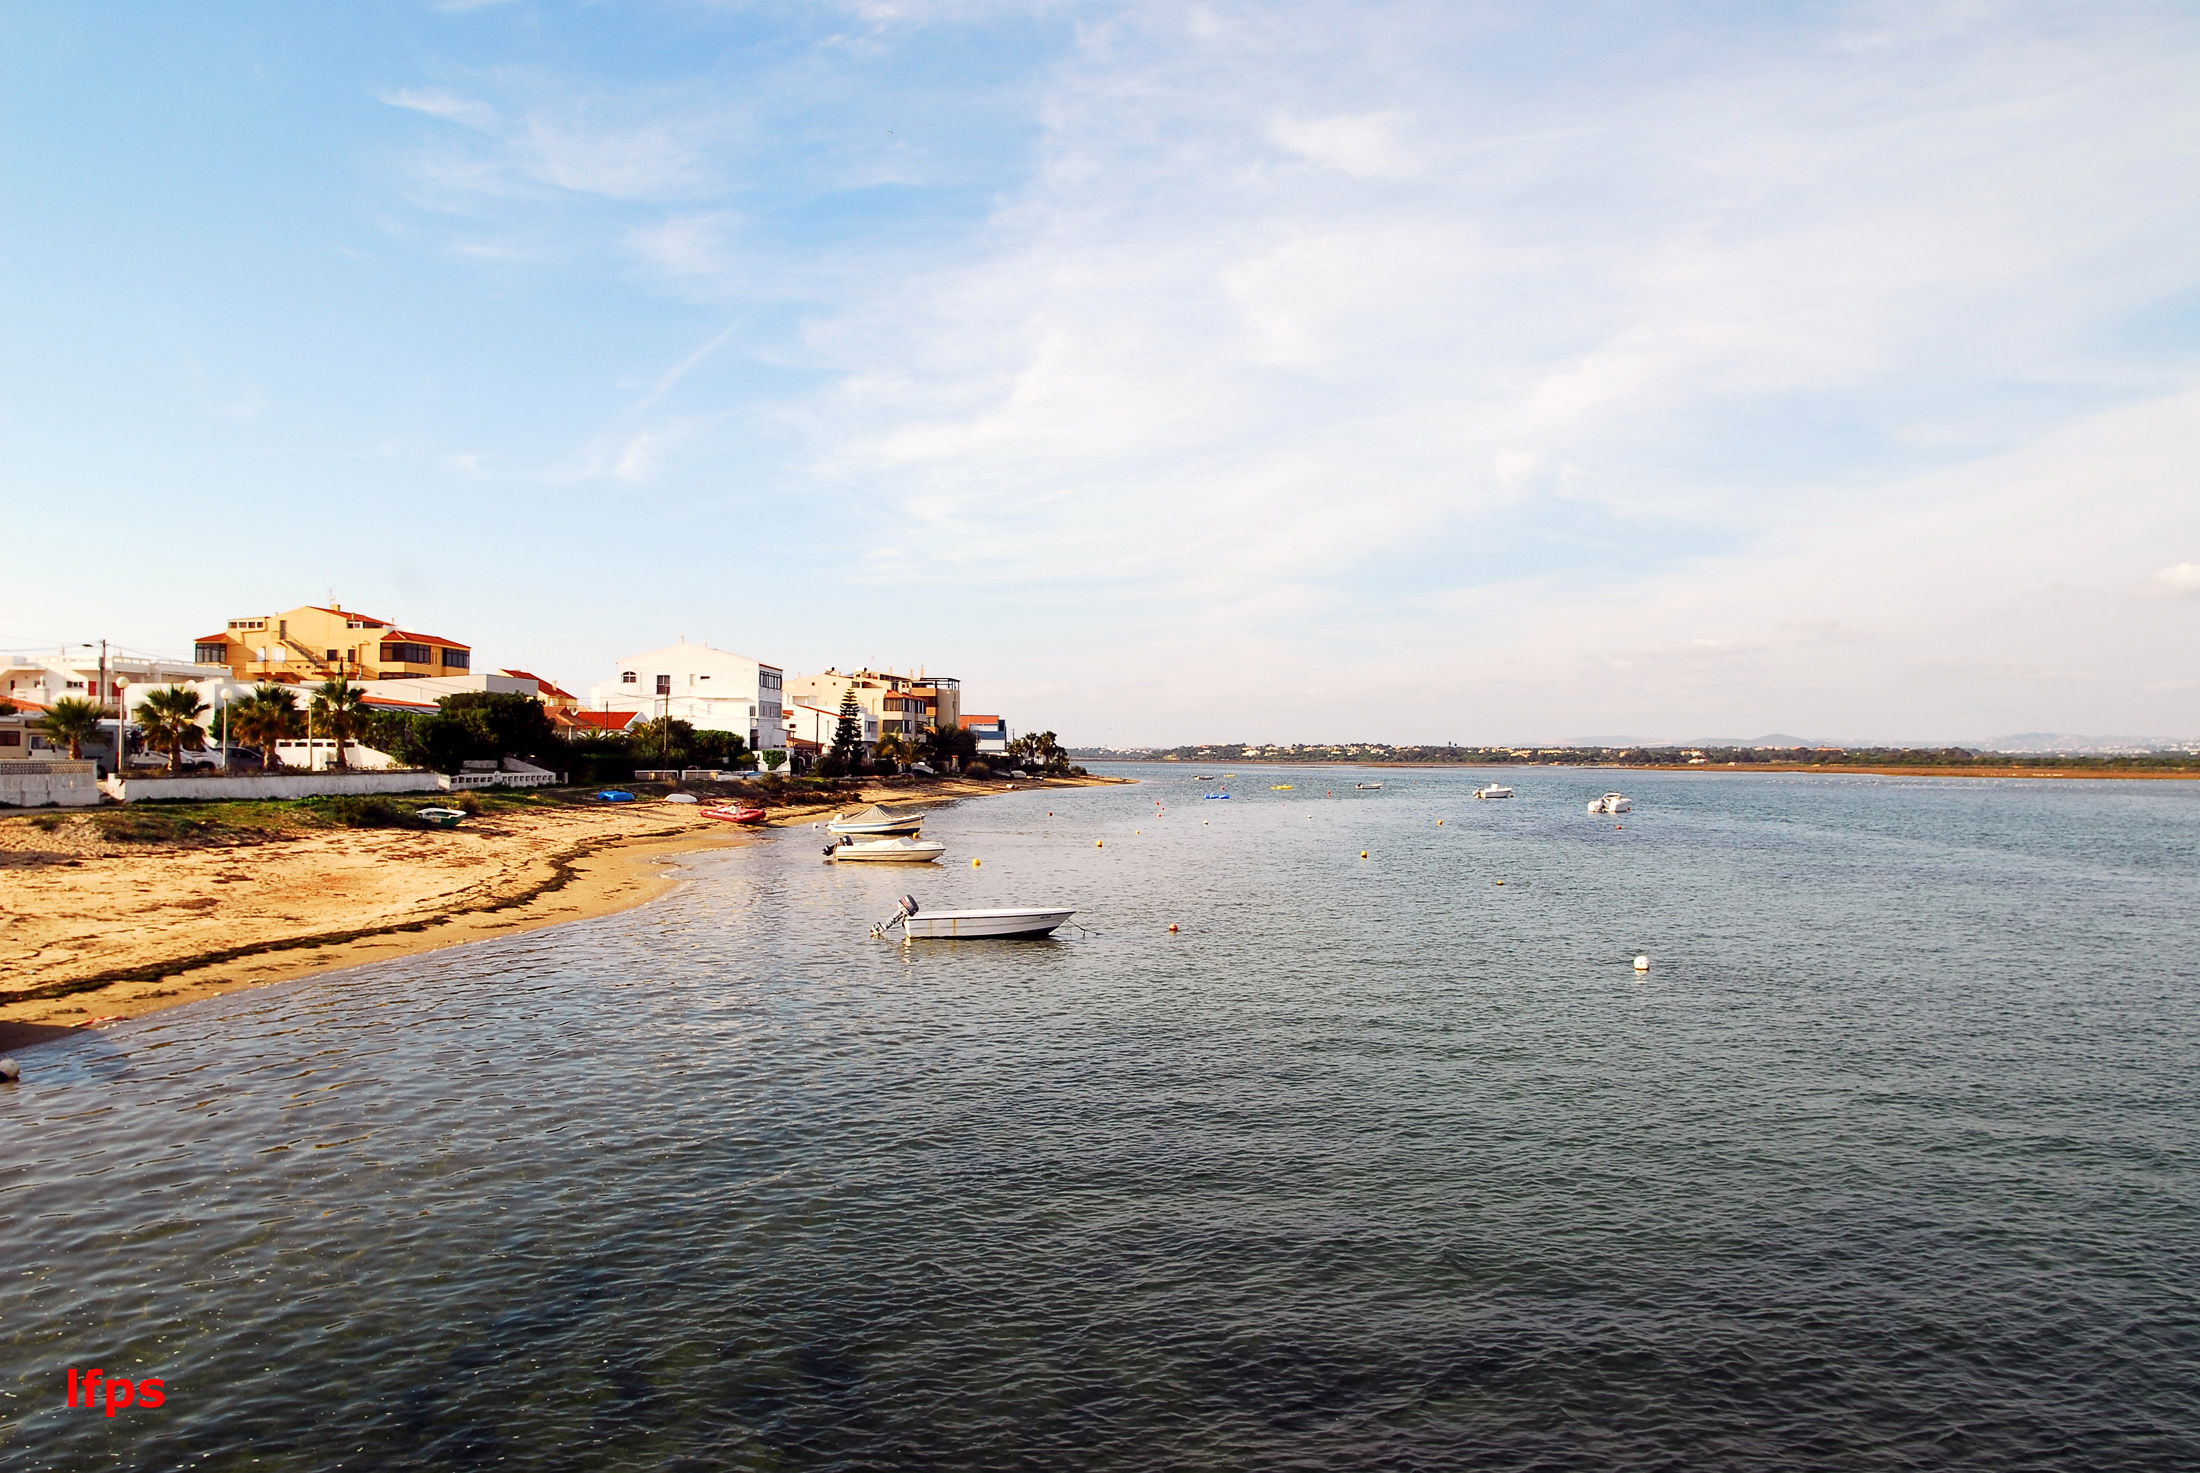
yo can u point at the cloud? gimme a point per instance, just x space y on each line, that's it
2178 580
1561 368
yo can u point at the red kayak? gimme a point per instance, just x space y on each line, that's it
733 813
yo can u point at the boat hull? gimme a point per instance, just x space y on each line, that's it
882 830
974 925
902 851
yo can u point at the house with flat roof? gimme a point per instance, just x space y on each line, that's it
710 689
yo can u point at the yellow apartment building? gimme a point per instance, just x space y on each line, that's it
311 644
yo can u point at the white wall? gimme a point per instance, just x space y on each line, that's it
49 784
212 789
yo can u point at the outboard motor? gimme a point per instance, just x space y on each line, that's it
908 905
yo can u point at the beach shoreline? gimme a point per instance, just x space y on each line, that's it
117 934
2064 773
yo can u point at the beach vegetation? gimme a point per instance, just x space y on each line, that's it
72 721
949 748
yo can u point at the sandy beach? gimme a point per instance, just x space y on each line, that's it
97 930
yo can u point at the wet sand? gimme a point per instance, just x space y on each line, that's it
94 931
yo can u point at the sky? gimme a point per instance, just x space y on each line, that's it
1302 370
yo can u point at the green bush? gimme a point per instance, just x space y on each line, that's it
368 813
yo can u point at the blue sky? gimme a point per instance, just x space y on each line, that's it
1303 370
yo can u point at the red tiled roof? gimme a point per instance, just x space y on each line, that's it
22 702
409 636
603 720
981 721
220 636
352 614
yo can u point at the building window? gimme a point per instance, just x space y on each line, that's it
768 679
210 654
456 659
328 657
626 677
399 652
11 739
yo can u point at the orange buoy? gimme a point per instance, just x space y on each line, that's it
1172 929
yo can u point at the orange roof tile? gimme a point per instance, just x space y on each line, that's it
408 635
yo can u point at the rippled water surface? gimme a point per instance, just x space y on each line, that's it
1395 1162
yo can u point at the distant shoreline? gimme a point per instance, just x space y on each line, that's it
2186 774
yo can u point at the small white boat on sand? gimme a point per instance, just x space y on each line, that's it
875 821
903 850
969 925
1493 790
1613 803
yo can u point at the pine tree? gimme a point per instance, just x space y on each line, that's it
847 748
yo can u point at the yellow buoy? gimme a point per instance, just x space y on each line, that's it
1439 823
1500 882
974 864
1363 854
1099 843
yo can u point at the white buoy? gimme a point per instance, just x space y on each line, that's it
1642 964
10 1071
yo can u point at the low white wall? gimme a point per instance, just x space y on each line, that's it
274 785
49 784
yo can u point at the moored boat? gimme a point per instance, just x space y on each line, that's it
1493 790
902 850
1613 803
1368 787
997 923
875 821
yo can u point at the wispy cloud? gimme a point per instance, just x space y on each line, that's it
1606 357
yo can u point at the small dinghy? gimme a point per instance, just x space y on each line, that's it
1613 803
1211 797
734 813
999 923
875 822
1281 787
904 850
615 795
1493 790
442 818
1368 787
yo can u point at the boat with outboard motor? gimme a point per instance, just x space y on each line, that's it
905 849
1493 790
875 822
997 923
1368 787
1613 803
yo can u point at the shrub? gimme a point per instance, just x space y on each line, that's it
140 826
368 813
466 802
977 769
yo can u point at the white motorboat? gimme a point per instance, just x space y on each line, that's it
1613 803
1369 787
875 822
969 925
1493 790
903 850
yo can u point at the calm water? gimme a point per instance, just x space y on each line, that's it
1889 1163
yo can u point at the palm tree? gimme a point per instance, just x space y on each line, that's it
170 717
267 716
893 747
340 708
74 720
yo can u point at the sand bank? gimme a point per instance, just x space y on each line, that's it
94 930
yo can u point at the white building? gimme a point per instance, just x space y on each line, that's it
40 680
807 723
710 689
